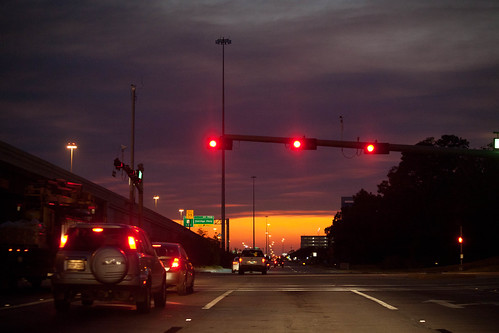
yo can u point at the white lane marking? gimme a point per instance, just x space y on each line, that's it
445 303
216 300
8 306
380 302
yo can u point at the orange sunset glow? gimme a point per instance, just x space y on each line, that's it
287 226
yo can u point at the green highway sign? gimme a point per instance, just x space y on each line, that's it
188 222
198 220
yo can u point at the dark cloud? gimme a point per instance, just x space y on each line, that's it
394 71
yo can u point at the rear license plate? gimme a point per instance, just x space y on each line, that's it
76 265
252 262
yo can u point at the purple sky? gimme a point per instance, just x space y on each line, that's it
396 71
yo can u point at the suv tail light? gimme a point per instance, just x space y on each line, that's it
175 264
64 239
263 260
131 243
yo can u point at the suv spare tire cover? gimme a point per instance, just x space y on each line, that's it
109 264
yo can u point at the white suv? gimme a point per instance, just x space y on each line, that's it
252 260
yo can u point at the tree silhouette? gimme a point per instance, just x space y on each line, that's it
415 218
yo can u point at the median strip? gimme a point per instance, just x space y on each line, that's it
380 302
216 300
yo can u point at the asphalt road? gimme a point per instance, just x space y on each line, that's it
290 299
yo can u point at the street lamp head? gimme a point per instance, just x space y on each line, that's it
71 145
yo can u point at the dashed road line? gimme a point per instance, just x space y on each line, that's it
380 302
216 300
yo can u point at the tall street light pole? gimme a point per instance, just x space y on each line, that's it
223 41
71 146
266 235
253 177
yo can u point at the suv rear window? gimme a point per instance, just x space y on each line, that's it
85 239
252 253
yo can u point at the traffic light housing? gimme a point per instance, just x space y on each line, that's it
303 144
376 148
118 164
219 143
139 173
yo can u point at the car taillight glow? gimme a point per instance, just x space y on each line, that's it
263 260
97 229
240 259
64 239
131 243
175 263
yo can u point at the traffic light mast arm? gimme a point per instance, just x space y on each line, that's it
360 145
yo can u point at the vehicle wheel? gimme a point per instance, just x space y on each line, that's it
35 282
190 289
144 301
87 302
61 300
160 297
182 287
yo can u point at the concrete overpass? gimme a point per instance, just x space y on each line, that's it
20 171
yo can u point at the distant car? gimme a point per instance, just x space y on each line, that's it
235 264
278 261
179 270
108 262
252 260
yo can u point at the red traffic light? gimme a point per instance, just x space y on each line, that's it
214 144
376 148
303 144
218 143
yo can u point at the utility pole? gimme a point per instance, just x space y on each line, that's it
253 177
223 42
132 156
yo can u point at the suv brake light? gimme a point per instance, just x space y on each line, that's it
64 239
131 243
175 263
97 229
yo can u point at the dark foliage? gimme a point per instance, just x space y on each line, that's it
415 218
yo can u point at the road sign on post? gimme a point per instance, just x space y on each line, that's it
189 214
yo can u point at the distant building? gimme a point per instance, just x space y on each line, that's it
346 202
314 241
